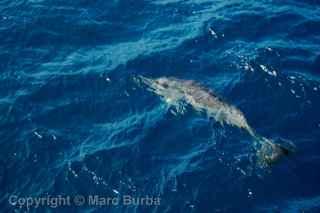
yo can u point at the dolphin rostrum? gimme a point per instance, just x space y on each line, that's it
176 92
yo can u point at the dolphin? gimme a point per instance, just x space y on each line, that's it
177 92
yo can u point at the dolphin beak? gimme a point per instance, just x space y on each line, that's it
141 80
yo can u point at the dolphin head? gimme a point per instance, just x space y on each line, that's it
168 88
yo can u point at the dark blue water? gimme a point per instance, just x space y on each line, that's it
73 122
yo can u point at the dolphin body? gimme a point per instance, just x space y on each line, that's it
176 92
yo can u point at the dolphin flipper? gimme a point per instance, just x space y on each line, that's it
177 107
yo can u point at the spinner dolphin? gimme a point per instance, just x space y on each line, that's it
176 92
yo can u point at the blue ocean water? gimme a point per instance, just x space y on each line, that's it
73 122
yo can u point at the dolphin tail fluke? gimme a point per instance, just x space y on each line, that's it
271 151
